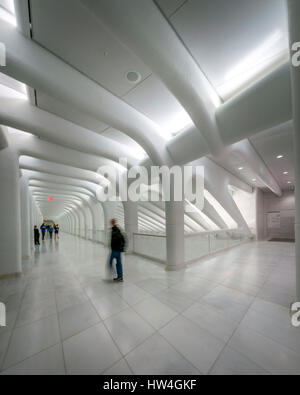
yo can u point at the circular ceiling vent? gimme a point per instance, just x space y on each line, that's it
133 77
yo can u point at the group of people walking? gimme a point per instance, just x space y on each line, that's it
44 229
118 243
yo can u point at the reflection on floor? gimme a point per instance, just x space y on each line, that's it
224 315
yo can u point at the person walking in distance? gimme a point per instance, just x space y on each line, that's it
36 236
43 229
50 229
117 247
56 230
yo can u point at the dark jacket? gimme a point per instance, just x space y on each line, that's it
43 228
117 240
36 233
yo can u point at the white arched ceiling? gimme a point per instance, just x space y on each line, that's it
57 182
60 180
133 22
47 167
247 53
86 162
55 169
31 146
42 70
54 208
59 187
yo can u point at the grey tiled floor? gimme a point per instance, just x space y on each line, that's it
227 314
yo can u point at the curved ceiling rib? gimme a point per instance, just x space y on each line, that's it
21 115
58 169
262 106
35 176
60 187
44 71
32 146
134 22
69 197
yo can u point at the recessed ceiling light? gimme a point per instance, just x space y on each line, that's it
289 182
133 77
285 172
241 168
254 179
279 156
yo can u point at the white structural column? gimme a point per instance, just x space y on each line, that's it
25 204
32 222
259 215
294 30
67 223
175 235
10 241
174 231
70 226
77 222
131 222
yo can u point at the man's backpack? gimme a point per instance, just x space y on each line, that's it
118 242
122 242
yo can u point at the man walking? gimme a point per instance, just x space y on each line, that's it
117 247
36 236
43 229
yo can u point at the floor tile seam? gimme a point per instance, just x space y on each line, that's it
110 335
60 336
12 331
31 356
230 338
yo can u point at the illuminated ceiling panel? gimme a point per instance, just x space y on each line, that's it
234 42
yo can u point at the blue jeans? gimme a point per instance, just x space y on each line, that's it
116 255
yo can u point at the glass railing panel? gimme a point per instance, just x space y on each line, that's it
151 246
196 246
219 241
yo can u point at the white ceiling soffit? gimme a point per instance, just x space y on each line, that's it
11 88
152 98
8 5
136 150
168 7
237 166
92 50
12 83
235 42
7 11
81 41
271 143
68 112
